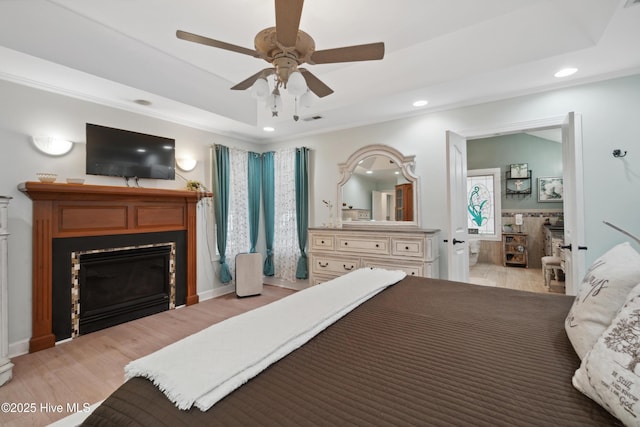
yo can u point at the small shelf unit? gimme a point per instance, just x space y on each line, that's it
514 250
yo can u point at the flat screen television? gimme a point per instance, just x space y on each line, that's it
117 152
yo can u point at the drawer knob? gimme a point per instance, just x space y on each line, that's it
347 268
377 245
346 243
406 248
322 241
323 265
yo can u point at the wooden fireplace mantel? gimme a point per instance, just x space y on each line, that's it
68 210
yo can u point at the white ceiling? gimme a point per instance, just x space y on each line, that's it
450 52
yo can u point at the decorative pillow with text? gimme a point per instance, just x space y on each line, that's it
602 292
609 373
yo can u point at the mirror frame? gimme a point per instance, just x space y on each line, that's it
406 165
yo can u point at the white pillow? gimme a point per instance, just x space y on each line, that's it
609 371
603 291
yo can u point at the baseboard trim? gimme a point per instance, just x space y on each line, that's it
18 348
298 285
217 292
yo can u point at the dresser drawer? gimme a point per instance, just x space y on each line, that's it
368 245
411 270
408 247
327 265
322 242
317 279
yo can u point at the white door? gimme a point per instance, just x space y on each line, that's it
574 239
457 250
378 207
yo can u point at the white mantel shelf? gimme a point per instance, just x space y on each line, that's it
6 367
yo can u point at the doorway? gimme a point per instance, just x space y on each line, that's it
505 176
457 251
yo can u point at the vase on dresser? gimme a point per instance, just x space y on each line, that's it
6 366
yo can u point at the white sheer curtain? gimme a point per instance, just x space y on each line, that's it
238 227
285 241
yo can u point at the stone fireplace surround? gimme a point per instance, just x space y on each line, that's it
62 211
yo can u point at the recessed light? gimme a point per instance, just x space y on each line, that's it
420 103
369 172
144 102
566 72
268 129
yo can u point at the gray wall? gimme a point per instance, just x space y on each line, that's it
544 159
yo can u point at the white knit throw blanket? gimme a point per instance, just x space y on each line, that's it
203 368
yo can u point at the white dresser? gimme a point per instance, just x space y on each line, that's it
6 366
334 251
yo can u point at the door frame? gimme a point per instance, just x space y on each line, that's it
526 126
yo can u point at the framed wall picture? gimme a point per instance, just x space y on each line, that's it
519 170
550 189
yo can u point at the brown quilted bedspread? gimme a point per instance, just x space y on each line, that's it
422 353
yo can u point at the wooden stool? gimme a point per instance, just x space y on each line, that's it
550 264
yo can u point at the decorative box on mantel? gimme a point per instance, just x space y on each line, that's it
74 211
6 367
337 251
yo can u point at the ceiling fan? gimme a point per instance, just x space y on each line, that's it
286 47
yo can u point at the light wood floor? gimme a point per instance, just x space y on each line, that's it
525 279
89 368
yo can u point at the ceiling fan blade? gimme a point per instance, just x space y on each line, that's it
215 43
288 14
246 84
363 52
315 85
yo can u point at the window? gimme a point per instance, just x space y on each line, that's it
483 203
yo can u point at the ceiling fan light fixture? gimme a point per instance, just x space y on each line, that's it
286 47
296 85
260 89
275 102
306 100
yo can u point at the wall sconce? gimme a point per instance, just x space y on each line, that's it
52 146
186 164
618 153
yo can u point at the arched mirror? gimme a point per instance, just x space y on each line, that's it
378 187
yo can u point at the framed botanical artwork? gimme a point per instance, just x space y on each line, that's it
519 170
550 189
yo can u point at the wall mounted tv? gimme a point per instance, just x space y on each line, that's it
116 152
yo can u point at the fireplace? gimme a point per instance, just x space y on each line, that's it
81 218
115 285
102 281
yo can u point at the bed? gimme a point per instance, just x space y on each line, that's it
422 352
